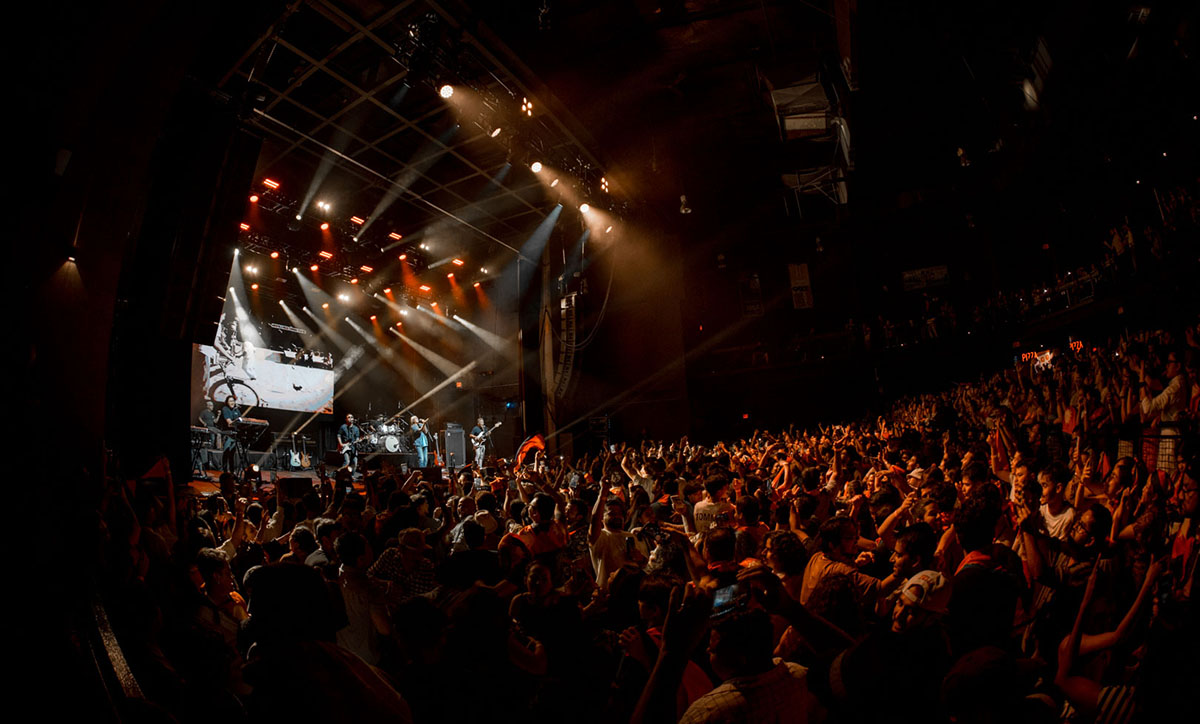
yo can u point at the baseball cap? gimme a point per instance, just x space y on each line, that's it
928 589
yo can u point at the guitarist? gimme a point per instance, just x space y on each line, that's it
479 439
348 435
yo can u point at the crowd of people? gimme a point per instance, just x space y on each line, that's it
1024 545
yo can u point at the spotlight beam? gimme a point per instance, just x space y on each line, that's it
443 365
506 347
417 198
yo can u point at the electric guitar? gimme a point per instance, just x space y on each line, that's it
478 440
344 446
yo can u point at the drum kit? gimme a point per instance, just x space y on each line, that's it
384 435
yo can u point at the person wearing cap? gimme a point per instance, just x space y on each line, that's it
922 601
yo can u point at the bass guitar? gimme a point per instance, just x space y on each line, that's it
479 440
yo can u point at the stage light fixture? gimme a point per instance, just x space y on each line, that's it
395 237
446 91
608 230
244 227
483 270
403 312
425 247
295 270
403 257
433 304
358 220
495 131
254 286
553 183
372 317
450 275
314 267
387 290
399 324
325 254
274 255
527 106
585 208
298 217
71 259
325 226
270 183
237 251
254 198
324 206
457 262
536 166
344 297
476 285
366 268
425 287
354 280
325 305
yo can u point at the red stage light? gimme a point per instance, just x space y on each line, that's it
274 255
746 416
433 304
314 267
425 287
325 254
358 220
366 268
354 281
458 384
403 257
244 227
450 275
476 285
372 317
387 291
395 236
325 226
325 305
458 262
254 286
254 198
270 184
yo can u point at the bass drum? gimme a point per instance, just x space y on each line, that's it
391 443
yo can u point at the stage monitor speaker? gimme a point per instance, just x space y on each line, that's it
456 448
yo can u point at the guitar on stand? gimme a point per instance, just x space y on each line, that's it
299 458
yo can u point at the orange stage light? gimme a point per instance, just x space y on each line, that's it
254 198
450 275
354 281
372 317
395 236
403 257
325 226
358 220
325 305
387 291
458 262
254 286
270 184
366 268
425 287
244 227
274 255
325 254
314 267
476 285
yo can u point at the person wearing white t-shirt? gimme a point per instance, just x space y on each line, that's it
715 509
610 545
1056 511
